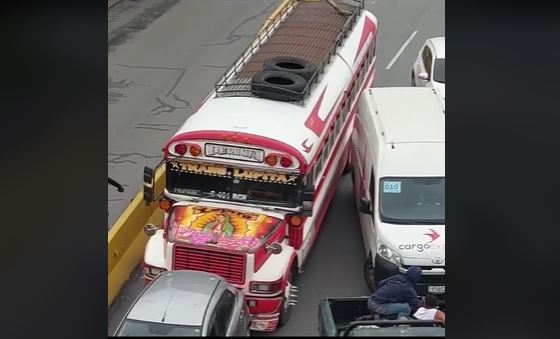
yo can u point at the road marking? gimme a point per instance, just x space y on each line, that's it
399 52
373 2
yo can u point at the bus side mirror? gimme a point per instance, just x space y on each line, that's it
148 184
307 201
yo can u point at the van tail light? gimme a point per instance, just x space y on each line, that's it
181 149
295 231
269 287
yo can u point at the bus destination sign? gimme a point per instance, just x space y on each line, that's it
234 152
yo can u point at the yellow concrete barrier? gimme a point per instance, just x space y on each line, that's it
126 239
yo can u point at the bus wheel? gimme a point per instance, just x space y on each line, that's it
278 86
369 273
287 303
298 66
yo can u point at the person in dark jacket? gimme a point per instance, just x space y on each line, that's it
397 294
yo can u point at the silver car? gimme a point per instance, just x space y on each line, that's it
187 303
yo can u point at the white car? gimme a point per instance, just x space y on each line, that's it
429 67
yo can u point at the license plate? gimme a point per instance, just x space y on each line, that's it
436 289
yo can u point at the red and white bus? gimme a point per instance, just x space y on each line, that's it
250 175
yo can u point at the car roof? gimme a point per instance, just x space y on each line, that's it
176 297
407 114
411 123
438 45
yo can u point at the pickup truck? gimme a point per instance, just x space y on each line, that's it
338 318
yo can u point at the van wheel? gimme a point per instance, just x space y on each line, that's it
298 66
369 274
278 86
286 308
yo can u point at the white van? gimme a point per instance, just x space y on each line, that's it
398 161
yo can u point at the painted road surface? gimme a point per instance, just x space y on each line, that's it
334 267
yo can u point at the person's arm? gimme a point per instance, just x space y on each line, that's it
383 282
440 316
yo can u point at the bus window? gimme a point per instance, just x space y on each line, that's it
338 124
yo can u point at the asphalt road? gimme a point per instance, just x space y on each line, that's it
179 55
164 58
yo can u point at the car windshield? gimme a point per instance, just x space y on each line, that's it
439 70
134 328
412 200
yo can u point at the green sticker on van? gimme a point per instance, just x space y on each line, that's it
392 187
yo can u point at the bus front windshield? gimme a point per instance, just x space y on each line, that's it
412 200
234 184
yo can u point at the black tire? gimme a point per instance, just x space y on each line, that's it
278 86
301 67
286 312
413 82
369 274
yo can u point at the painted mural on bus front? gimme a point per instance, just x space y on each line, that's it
224 228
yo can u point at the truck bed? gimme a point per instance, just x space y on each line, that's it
335 314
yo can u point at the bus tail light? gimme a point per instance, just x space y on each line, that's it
286 162
269 287
295 231
195 150
181 149
271 160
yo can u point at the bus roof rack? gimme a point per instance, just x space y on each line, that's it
310 30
